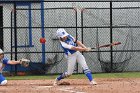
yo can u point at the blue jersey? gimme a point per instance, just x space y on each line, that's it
5 61
68 44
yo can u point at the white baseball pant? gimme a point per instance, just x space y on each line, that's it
72 59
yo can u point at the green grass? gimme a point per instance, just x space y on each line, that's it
81 76
119 75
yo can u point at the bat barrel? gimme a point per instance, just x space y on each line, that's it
117 43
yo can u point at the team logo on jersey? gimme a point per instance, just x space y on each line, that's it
63 33
71 43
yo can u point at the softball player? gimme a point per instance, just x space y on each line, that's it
3 62
68 44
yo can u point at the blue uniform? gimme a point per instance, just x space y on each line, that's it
72 57
67 44
3 61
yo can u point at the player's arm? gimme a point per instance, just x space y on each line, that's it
78 48
13 62
24 62
79 43
71 47
81 47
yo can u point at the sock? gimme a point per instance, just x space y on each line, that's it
88 74
62 76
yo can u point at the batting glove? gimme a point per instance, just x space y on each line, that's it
88 49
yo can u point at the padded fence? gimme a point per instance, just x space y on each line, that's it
94 23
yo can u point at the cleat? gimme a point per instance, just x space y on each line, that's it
93 82
55 83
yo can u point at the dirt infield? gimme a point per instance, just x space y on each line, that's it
113 85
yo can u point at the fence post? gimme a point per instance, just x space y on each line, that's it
15 35
111 53
42 29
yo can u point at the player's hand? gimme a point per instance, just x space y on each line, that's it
88 49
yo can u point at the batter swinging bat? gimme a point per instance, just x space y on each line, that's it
107 45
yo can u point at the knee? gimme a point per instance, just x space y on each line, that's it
4 82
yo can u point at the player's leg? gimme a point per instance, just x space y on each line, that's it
71 63
3 81
82 62
87 71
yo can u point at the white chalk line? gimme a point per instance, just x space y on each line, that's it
43 87
70 90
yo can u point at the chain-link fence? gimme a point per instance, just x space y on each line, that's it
92 22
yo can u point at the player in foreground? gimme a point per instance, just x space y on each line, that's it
68 44
5 61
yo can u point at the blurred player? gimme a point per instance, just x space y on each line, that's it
3 62
68 44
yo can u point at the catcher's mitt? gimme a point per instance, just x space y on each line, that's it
24 62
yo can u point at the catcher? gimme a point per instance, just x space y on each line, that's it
5 61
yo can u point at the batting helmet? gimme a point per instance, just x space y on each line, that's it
61 33
1 51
